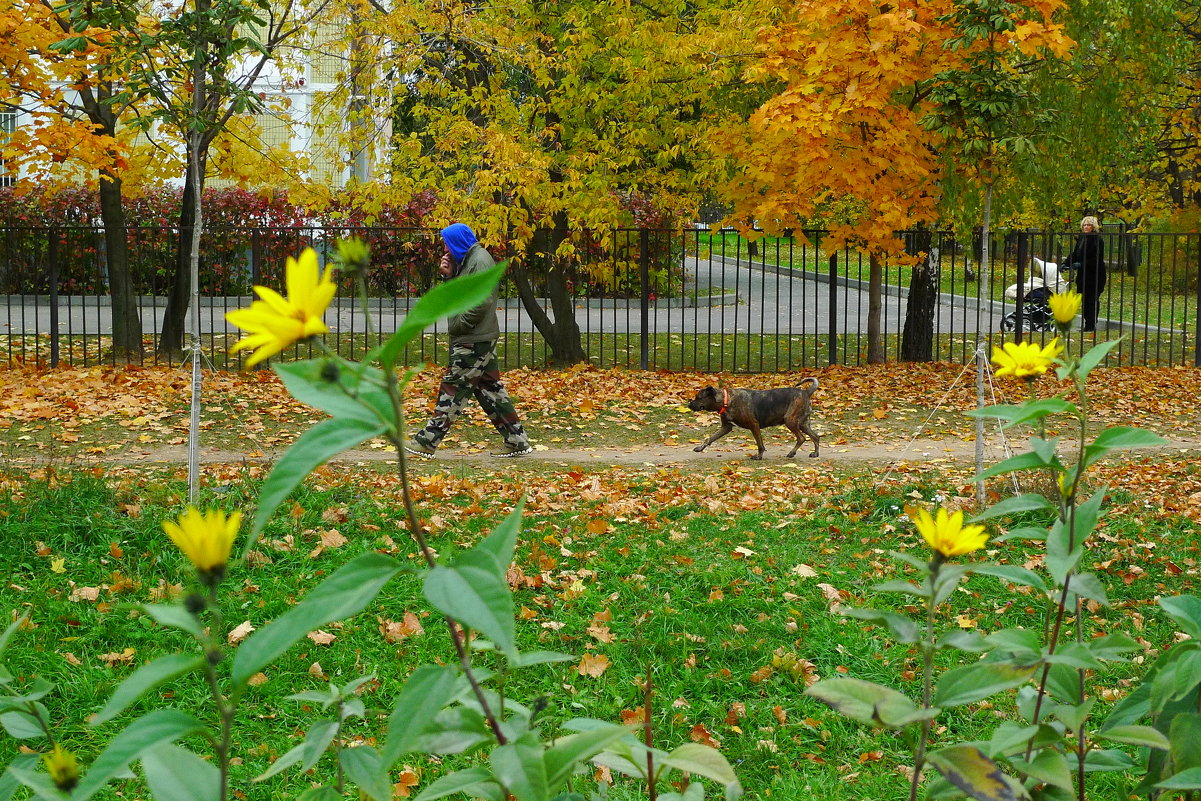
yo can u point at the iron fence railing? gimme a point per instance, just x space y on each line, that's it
655 299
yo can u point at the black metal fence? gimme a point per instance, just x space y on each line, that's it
680 299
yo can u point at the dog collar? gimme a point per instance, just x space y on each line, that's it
725 401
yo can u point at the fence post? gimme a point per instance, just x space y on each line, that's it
1197 332
833 343
644 273
52 257
1023 252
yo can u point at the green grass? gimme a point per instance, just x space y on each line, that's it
700 584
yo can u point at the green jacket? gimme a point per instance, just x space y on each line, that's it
478 324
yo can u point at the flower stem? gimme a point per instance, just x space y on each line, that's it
919 756
456 632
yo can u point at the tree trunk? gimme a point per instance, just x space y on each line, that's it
175 315
127 324
917 339
561 333
875 310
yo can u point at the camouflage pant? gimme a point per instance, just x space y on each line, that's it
473 370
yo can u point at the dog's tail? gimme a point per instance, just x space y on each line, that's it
809 380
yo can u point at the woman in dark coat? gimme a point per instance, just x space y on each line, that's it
1087 261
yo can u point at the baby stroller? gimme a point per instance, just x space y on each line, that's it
1036 312
1045 281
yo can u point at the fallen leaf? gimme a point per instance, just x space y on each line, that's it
240 632
592 665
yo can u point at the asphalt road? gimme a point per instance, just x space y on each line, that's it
744 300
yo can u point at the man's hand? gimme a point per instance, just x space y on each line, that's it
446 266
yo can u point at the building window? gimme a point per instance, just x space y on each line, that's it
8 124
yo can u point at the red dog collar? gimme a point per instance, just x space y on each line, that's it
725 401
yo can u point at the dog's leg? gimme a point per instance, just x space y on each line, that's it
754 427
805 427
726 428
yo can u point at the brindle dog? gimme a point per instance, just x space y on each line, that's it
754 409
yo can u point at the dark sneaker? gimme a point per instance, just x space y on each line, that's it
512 451
419 449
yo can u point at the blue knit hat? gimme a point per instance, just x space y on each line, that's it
458 238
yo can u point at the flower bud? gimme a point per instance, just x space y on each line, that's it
352 257
62 767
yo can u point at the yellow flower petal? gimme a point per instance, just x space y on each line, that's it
1065 306
274 322
946 533
206 539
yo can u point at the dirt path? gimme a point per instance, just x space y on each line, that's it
921 450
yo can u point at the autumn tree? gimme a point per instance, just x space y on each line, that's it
533 119
61 65
847 125
212 56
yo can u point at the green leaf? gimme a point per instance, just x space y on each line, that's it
1022 461
39 782
345 593
364 767
1185 737
972 683
455 296
156 728
1107 760
1075 655
1010 737
1111 647
567 752
1095 355
1032 533
530 658
1063 683
146 678
473 592
1063 553
308 753
22 725
1184 780
970 769
320 794
1119 437
1186 611
1024 412
8 782
176 774
1087 585
176 617
324 440
702 761
1049 767
358 393
468 781
902 586
10 630
869 703
1146 736
454 731
428 689
1016 504
904 629
519 768
970 641
1014 574
1072 715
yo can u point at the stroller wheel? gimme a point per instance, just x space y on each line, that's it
1009 322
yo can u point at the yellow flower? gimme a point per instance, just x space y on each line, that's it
275 322
1065 306
205 539
1025 359
946 533
62 767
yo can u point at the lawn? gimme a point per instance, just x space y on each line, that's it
722 579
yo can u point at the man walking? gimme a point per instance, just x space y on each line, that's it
473 369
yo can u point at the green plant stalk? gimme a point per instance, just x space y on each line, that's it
648 736
919 755
456 633
1082 409
226 707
